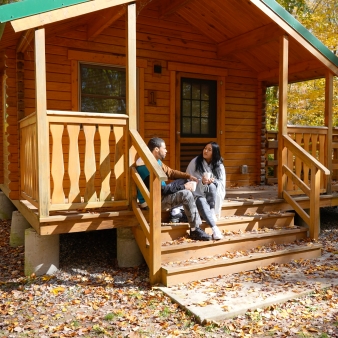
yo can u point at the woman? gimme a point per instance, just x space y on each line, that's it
210 191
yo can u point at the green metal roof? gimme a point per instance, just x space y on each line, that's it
17 10
297 26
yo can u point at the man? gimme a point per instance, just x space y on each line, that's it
176 194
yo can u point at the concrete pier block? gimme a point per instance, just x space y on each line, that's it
41 253
18 226
6 207
128 252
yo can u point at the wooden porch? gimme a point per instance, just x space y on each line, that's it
92 188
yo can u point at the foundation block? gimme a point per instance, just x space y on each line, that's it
41 253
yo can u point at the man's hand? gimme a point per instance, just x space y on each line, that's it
193 178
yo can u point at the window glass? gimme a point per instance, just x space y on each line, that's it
198 107
103 89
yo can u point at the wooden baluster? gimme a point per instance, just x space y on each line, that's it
119 168
90 164
321 158
298 162
290 165
74 164
314 142
105 172
34 164
306 169
58 166
30 162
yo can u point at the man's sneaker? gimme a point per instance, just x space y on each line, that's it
216 233
199 235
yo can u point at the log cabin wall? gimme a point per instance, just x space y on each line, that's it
10 126
159 42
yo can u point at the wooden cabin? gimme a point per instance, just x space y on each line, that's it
86 83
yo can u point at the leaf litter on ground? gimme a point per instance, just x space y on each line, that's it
91 297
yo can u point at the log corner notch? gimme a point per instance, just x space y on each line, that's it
251 39
168 7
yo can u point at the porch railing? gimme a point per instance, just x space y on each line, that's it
309 183
151 229
88 160
313 140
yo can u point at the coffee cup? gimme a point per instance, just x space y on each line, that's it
193 185
207 175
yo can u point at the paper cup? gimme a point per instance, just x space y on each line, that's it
193 184
207 175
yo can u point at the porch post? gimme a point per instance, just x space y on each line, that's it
282 116
42 132
328 124
131 66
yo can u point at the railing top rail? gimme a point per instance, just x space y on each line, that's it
304 155
146 155
289 126
85 114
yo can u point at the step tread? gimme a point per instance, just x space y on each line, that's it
186 243
225 261
233 219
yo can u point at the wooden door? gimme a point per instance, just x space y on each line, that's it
197 115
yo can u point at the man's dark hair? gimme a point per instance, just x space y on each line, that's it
155 142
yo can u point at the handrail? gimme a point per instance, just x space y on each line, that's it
146 155
313 191
307 158
151 230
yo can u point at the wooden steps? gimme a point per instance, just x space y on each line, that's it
232 223
243 242
172 275
250 241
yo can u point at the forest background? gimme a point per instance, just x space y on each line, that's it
306 100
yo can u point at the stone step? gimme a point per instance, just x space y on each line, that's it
187 272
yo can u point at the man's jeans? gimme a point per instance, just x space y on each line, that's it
186 199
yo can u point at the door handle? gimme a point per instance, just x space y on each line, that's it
178 132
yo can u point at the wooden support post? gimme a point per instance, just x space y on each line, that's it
282 118
172 118
155 230
131 66
329 125
314 203
131 83
42 132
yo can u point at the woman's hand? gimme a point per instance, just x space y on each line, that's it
207 181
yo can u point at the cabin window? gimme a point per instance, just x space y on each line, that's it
198 107
103 89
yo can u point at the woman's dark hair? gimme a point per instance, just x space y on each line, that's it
216 160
